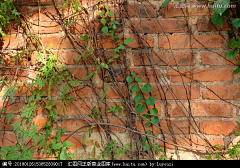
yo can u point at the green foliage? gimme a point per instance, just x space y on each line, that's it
7 12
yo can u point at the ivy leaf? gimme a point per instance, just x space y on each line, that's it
155 120
218 19
220 3
147 88
110 60
139 79
149 132
103 20
154 111
68 144
134 88
141 108
116 55
150 101
63 154
129 40
232 54
122 47
146 116
42 143
134 73
148 124
9 117
236 23
138 98
165 3
64 129
226 13
101 12
57 146
105 29
130 79
236 71
233 43
111 13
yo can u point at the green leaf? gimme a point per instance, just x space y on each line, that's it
226 13
128 40
146 116
105 29
147 88
101 12
103 20
139 79
236 71
63 154
149 132
220 3
134 88
218 19
116 55
122 47
68 144
140 108
111 13
150 101
9 117
130 79
57 146
138 98
134 73
155 120
165 3
64 129
110 60
41 137
154 111
232 54
233 43
148 124
236 23
42 143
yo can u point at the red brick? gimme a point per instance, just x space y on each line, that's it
190 142
178 91
218 58
40 121
88 92
12 107
80 73
154 27
5 142
107 42
219 127
200 109
164 59
145 12
15 28
84 107
60 43
206 25
207 75
224 92
149 72
184 42
178 127
120 75
76 140
12 42
45 27
22 91
46 13
35 3
148 108
175 11
76 124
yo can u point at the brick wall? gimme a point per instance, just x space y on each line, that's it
202 80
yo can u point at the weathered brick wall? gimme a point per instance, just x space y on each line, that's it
199 49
